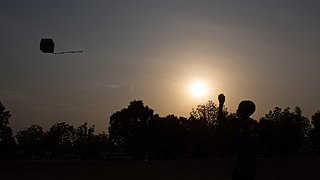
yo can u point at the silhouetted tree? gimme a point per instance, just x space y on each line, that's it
201 122
223 137
60 138
182 138
83 134
209 136
129 128
31 140
169 137
200 134
158 142
315 133
7 142
207 113
102 141
84 142
283 132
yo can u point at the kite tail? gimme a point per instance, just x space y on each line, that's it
65 52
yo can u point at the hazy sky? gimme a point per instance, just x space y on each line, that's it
153 50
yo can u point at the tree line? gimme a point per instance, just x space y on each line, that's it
138 132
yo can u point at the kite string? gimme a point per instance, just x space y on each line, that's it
138 70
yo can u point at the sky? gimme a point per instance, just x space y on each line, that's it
154 50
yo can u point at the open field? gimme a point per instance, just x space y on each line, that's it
213 169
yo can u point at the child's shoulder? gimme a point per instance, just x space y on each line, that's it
252 121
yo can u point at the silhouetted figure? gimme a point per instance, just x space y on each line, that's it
246 139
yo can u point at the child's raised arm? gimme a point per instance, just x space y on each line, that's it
221 115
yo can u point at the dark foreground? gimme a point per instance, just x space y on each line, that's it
213 169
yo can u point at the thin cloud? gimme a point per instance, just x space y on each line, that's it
11 94
99 85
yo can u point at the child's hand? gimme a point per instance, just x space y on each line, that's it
221 99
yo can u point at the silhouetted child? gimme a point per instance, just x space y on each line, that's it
246 139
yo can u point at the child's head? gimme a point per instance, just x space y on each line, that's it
246 109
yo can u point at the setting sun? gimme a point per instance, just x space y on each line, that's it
199 89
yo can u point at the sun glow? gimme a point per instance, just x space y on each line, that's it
199 89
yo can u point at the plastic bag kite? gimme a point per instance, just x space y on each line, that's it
47 46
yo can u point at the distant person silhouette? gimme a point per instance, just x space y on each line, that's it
246 139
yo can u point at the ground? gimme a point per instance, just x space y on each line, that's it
305 168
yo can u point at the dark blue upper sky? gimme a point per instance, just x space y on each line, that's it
153 50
